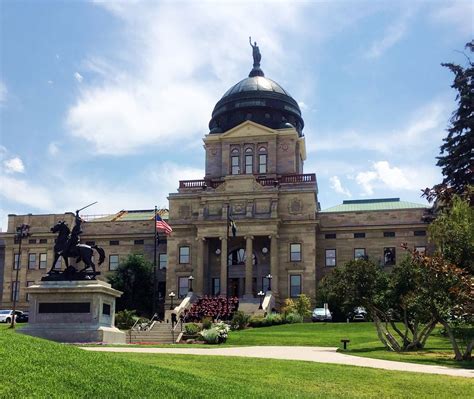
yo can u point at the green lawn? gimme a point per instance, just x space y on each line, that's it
39 368
364 341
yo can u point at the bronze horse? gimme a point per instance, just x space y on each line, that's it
66 248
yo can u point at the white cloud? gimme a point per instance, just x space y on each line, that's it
428 120
3 93
78 77
393 178
457 14
50 82
337 186
392 35
14 165
26 192
53 148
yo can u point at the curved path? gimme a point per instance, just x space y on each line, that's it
306 353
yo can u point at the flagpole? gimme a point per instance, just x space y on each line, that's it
227 285
154 262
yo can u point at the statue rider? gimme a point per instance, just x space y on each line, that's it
74 239
255 53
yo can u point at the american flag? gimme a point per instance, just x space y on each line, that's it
162 225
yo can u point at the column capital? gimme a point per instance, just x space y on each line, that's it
273 236
223 238
201 238
249 237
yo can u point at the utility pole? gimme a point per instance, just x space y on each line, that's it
22 231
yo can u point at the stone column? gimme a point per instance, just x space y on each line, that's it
223 266
200 266
274 262
248 266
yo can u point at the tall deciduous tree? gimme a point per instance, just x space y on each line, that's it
134 277
456 152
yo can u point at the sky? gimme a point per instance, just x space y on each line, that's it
109 101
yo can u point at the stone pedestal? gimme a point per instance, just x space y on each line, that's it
73 311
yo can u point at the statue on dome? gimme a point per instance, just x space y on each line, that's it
256 53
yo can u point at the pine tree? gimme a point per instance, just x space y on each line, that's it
456 155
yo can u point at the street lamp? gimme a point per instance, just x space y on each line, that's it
190 279
22 231
261 295
269 277
171 295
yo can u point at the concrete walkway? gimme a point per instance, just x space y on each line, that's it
306 353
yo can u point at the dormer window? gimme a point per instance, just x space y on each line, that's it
248 161
235 161
262 160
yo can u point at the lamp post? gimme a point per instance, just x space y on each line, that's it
190 279
22 231
269 277
171 295
261 295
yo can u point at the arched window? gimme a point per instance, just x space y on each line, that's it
238 257
235 161
262 160
248 161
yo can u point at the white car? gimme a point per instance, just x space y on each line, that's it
6 316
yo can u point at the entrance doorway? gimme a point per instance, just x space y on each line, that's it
234 287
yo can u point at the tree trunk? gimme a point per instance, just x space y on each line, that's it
452 338
468 352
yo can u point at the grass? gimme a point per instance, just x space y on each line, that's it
363 337
39 368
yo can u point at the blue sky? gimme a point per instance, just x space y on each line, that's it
109 101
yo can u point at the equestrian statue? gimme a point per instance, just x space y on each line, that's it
68 246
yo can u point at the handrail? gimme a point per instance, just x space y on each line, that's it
264 181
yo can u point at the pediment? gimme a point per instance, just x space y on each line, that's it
248 129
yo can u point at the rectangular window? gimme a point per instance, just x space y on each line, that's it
28 283
216 286
43 241
43 261
16 261
32 241
295 285
15 290
389 234
262 163
389 256
249 164
419 233
184 255
420 250
235 161
330 257
359 235
113 262
330 236
295 252
31 261
114 242
359 253
163 261
139 242
183 287
265 284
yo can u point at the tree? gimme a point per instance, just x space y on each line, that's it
134 277
386 297
456 153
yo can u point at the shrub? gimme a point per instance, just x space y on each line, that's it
294 318
274 319
259 321
289 306
191 328
206 323
125 319
210 336
239 321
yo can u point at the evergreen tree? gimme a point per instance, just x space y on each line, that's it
457 151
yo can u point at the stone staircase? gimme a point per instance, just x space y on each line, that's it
160 333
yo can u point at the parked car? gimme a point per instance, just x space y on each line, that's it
321 314
21 317
358 314
6 316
